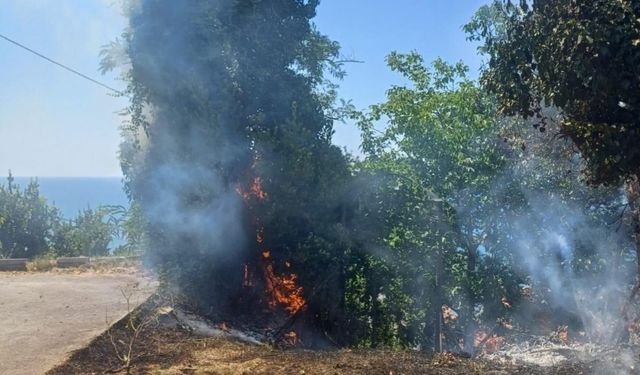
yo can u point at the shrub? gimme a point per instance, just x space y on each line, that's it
41 263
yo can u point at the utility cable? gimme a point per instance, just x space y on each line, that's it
61 65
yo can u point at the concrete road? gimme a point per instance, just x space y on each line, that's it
44 316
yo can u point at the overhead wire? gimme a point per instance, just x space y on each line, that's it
61 65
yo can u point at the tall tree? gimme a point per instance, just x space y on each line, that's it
229 154
440 152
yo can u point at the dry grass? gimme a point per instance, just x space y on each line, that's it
41 264
164 351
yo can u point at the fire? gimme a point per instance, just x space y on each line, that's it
449 315
282 289
506 303
254 190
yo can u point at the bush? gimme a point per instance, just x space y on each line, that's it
88 234
41 263
26 227
31 228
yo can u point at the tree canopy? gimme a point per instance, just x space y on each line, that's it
580 56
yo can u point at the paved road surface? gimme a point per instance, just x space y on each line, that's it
44 316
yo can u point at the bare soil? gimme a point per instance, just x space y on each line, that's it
44 316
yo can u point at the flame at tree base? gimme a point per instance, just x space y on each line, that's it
282 289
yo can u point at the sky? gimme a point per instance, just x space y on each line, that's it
53 123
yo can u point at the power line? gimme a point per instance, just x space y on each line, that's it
61 65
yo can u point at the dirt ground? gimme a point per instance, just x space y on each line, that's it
175 352
161 350
44 316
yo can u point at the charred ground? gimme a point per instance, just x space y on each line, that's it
162 349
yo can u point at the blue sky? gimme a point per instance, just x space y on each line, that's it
53 123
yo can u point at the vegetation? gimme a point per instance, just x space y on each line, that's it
454 203
457 206
28 221
222 169
581 57
463 193
578 56
31 228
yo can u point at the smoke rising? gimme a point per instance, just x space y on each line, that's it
569 242
224 93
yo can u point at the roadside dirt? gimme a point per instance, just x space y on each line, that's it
175 352
172 343
44 316
164 350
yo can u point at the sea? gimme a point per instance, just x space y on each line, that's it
73 194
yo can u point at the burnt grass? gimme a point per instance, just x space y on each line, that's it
162 350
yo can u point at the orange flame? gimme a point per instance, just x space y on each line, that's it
489 344
254 190
283 289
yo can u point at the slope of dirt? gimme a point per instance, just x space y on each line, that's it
46 315
162 350
175 352
163 347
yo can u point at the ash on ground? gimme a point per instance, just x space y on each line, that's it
175 317
587 358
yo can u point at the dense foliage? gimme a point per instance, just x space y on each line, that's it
230 139
88 234
475 206
28 221
30 227
580 56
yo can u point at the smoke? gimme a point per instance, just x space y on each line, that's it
574 262
224 92
195 156
567 242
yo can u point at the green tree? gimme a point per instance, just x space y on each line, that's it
437 155
225 94
26 229
88 234
455 181
130 226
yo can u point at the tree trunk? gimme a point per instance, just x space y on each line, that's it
437 339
